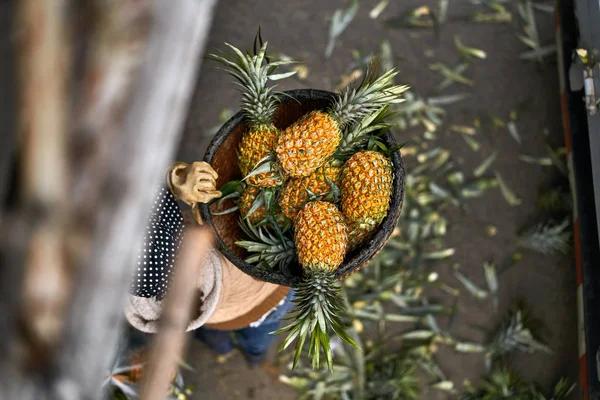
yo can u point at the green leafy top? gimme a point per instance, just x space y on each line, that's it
252 72
373 92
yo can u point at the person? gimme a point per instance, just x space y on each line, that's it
231 309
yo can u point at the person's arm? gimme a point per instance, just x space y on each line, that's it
192 183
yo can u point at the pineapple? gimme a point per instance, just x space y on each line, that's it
320 236
306 144
259 104
366 188
297 191
252 204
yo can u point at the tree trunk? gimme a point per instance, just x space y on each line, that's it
67 248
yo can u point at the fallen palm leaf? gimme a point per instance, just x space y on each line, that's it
418 335
451 75
538 53
420 17
512 129
466 130
478 187
446 386
491 278
469 347
386 57
497 122
473 144
485 165
467 52
542 161
471 287
447 100
510 197
443 10
556 159
498 14
339 22
378 9
439 255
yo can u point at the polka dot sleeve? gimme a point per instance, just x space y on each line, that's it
161 243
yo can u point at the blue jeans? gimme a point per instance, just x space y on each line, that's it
253 341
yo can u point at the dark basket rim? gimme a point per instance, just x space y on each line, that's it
357 258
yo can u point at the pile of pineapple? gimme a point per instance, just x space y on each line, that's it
313 191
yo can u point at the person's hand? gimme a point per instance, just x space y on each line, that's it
193 184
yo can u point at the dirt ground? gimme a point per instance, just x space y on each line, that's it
502 83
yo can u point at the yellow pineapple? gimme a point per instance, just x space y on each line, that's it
366 189
255 144
320 236
259 104
306 144
297 191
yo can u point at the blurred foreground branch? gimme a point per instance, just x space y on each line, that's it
168 347
84 183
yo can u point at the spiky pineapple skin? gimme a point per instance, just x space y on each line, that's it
295 192
255 145
358 234
306 144
320 235
366 188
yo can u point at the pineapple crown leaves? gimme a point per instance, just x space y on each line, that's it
230 190
395 379
271 250
555 200
266 164
373 92
499 384
503 383
547 237
319 304
266 197
562 389
374 144
252 72
333 195
358 135
515 336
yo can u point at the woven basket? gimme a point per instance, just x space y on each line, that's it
221 154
